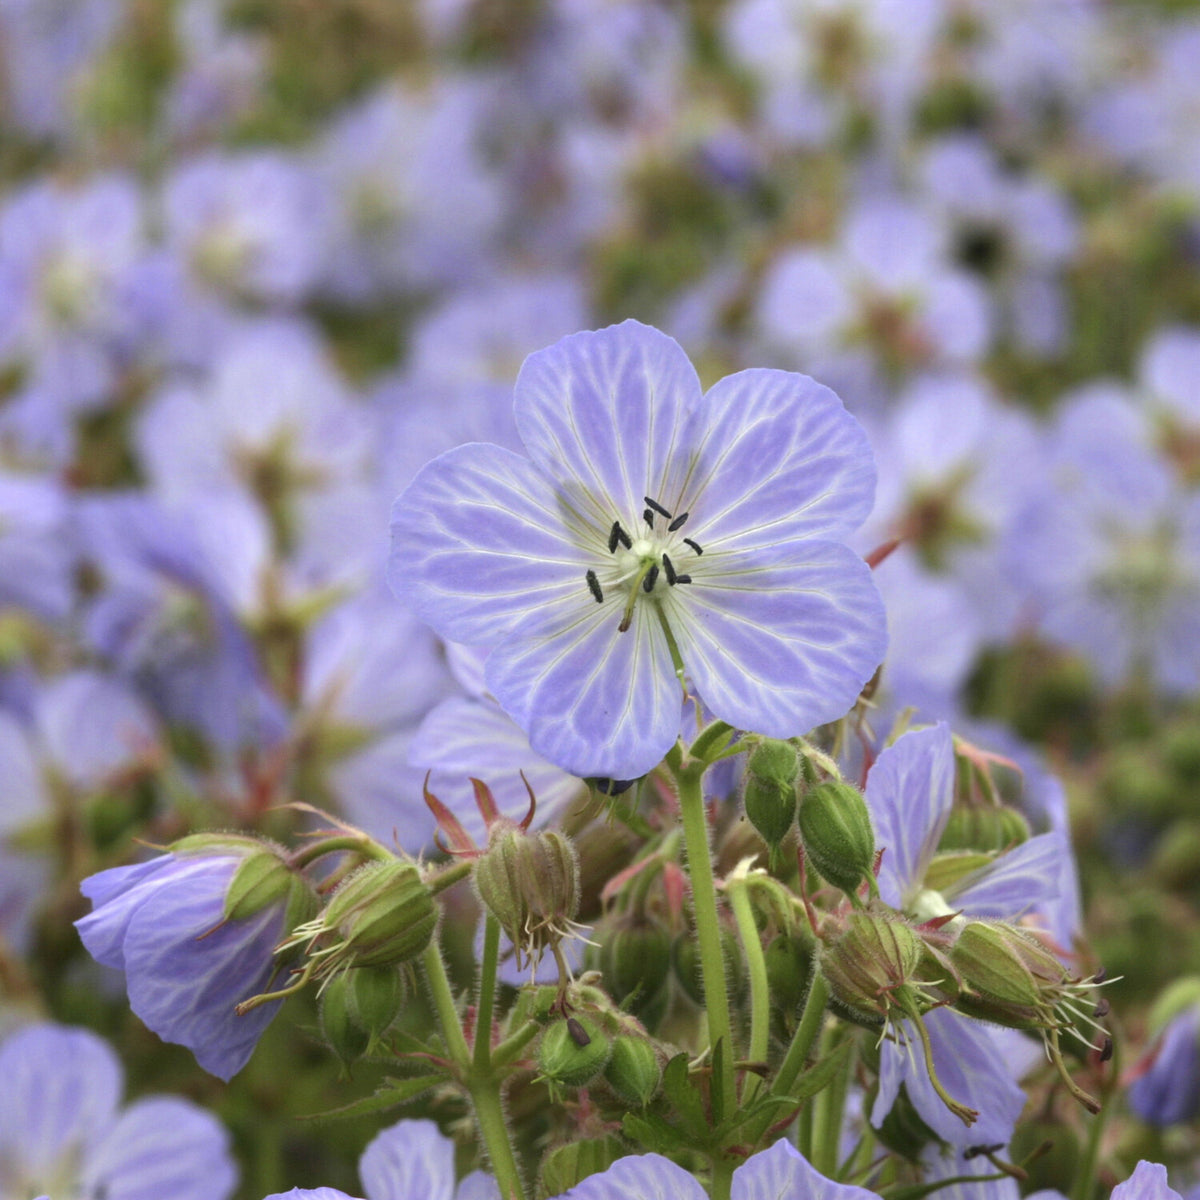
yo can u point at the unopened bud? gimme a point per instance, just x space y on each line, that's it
530 883
634 957
384 913
789 966
770 790
990 827
835 827
633 1070
869 962
573 1052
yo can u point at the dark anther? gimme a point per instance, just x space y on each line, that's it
650 580
617 534
694 545
648 517
594 586
683 579
1100 975
1101 1009
679 522
976 1151
658 508
1106 1051
669 567
610 787
579 1035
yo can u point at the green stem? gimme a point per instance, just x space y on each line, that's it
828 1111
489 1112
443 1003
811 1021
512 1045
449 877
487 994
1085 1177
708 927
760 991
357 843
721 1184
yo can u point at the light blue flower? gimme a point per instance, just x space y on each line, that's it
650 521
62 1130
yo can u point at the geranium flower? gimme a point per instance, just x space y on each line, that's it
63 1132
653 531
780 1171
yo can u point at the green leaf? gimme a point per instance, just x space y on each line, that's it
390 1094
816 1077
686 1099
651 1131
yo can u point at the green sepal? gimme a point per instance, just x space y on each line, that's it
261 879
564 1167
835 826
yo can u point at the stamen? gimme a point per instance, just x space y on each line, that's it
594 586
694 545
658 508
683 579
669 567
1101 1009
1107 1052
617 534
650 580
679 522
648 517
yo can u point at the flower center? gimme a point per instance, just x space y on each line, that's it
645 564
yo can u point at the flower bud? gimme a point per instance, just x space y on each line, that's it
789 967
770 790
986 827
530 883
573 1052
868 961
635 959
633 1070
835 827
685 958
358 1006
384 913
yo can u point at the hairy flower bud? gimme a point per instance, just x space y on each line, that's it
770 790
384 913
530 883
634 957
839 841
573 1052
873 957
358 1006
987 827
633 1070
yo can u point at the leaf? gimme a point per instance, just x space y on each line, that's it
716 1093
651 1131
816 1077
686 1099
390 1094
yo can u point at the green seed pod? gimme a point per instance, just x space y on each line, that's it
685 959
346 1037
872 957
835 827
384 914
566 1166
789 968
530 883
633 1070
573 1052
635 960
769 794
990 827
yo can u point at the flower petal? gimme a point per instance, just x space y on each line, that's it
408 1159
609 411
777 648
909 793
971 1069
60 1095
783 1171
478 539
781 459
163 1146
640 1177
594 701
1148 1182
1025 879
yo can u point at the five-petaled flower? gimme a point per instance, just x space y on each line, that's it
655 532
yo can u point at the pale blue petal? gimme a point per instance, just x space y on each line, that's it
1025 879
783 1172
163 1146
608 411
640 1177
322 1193
478 1186
972 1069
478 539
411 1160
945 1162
781 460
779 647
909 792
60 1096
594 701
1148 1182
